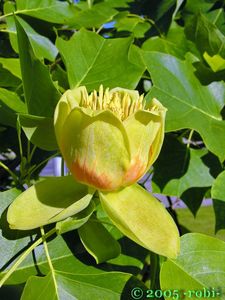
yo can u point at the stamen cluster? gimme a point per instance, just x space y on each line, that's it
122 104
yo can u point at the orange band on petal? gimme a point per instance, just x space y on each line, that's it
89 176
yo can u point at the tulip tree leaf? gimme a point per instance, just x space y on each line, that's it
219 210
218 188
75 221
179 168
48 10
39 130
206 35
76 286
199 265
135 24
42 46
12 101
83 278
216 62
174 43
142 218
48 201
12 241
189 104
40 93
96 240
92 60
12 65
95 16
10 104
7 79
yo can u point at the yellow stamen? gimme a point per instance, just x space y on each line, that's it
118 102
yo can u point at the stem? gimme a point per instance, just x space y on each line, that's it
9 171
173 214
154 273
32 153
19 139
189 138
6 15
25 254
62 167
48 256
100 28
43 162
154 24
89 3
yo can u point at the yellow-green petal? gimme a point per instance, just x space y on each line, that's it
156 107
141 217
95 148
142 129
48 201
69 100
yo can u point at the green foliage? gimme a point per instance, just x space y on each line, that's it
206 254
175 51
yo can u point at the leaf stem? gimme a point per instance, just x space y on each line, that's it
9 171
18 127
189 138
89 3
62 167
43 162
48 257
154 273
25 254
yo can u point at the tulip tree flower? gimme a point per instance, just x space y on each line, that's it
109 140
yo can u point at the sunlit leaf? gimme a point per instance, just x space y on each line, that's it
48 201
92 60
199 265
143 219
189 104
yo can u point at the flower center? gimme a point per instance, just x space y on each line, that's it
119 102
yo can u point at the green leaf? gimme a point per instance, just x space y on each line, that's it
141 217
10 104
193 7
12 101
136 24
179 168
216 62
42 46
72 268
189 104
174 43
40 93
218 188
48 10
199 265
205 35
39 130
98 14
219 210
7 79
76 286
92 60
48 201
217 17
118 3
76 221
98 241
12 241
12 65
